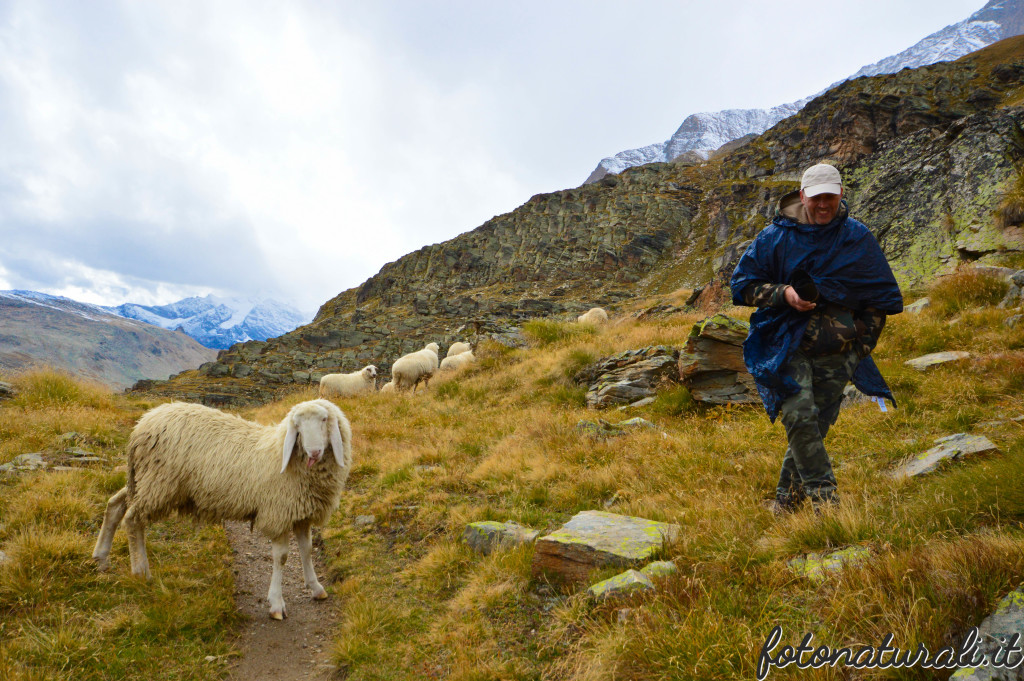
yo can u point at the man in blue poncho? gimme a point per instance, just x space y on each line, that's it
822 288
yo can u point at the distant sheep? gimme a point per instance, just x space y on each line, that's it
595 315
192 459
388 387
453 362
409 370
349 385
458 348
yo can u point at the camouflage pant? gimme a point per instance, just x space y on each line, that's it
807 416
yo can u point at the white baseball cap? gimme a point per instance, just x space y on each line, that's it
821 179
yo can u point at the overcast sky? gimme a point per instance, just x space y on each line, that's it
155 150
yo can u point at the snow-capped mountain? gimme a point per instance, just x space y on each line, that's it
702 133
219 322
85 340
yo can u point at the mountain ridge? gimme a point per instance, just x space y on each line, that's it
704 132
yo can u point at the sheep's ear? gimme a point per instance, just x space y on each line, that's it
289 443
340 445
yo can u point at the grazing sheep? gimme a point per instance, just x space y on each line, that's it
458 348
409 370
388 387
188 458
349 385
595 315
453 362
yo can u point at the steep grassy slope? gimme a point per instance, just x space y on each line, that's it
499 441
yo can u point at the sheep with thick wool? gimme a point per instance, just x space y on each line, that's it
409 370
453 362
459 347
191 459
595 315
349 385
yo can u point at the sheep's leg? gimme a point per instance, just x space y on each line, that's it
304 538
136 528
279 550
116 507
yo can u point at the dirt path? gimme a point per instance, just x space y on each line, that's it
295 649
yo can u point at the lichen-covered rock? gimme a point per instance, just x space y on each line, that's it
1001 626
24 462
597 539
949 448
817 566
625 584
711 365
660 569
487 535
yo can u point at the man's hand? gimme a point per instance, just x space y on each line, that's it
796 302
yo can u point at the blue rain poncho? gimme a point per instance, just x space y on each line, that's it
848 268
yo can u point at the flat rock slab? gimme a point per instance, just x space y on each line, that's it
817 566
604 429
24 462
927 361
629 376
949 448
1007 620
598 539
625 584
487 535
660 569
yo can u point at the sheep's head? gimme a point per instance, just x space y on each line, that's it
316 424
432 346
370 371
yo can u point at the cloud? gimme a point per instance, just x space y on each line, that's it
292 149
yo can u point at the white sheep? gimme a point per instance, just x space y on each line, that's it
388 387
349 385
187 458
458 347
409 370
595 315
453 362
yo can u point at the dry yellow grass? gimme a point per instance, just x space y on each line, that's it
498 441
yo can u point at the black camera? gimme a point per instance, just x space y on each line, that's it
804 286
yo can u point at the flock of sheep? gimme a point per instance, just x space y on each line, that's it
190 459
406 372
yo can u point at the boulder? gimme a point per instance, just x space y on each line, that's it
24 462
593 539
6 391
949 448
1002 625
918 306
487 535
629 376
711 365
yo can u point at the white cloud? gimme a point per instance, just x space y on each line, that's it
292 149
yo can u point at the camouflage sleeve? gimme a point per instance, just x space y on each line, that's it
765 294
869 323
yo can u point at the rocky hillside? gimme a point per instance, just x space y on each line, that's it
930 157
85 340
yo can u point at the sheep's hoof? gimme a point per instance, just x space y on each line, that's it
320 596
274 615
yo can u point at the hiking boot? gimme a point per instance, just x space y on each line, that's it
783 505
